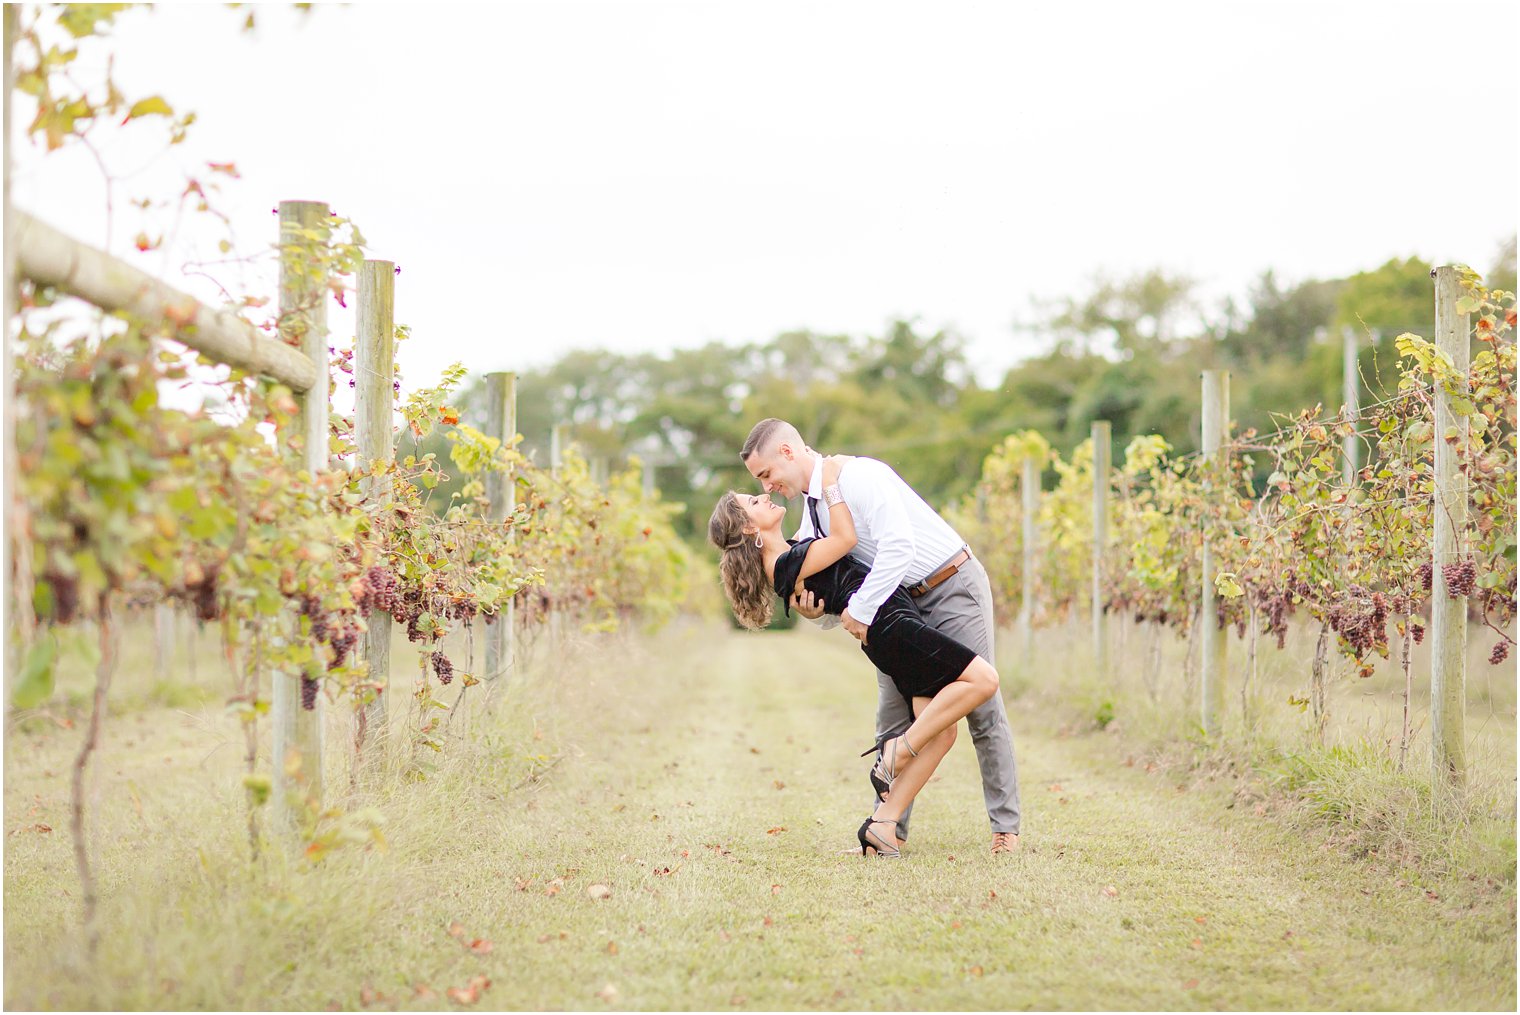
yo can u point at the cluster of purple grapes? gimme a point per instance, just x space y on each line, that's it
203 594
1275 607
338 631
377 590
443 668
1362 629
1461 578
1500 652
65 589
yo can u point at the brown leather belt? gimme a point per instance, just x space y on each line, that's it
941 576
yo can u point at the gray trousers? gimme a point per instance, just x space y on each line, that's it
962 608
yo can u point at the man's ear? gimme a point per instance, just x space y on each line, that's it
785 451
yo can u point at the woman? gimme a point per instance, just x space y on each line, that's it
941 678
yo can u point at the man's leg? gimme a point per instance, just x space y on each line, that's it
893 715
962 609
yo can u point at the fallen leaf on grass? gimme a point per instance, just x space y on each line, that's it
738 999
424 992
1200 919
1054 787
775 889
599 892
44 829
778 784
991 894
612 948
1110 891
480 946
1196 944
523 883
975 970
608 993
456 929
553 887
1431 896
663 872
468 994
955 925
775 831
1190 984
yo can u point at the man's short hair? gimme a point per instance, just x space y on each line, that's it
763 433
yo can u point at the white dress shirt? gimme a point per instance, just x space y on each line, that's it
898 534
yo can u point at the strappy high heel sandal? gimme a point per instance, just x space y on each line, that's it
870 840
882 773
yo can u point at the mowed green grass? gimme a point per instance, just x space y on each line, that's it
708 779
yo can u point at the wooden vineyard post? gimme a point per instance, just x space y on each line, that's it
646 479
303 317
1030 491
1216 417
556 460
1351 407
1448 614
375 370
16 633
501 491
1102 455
163 640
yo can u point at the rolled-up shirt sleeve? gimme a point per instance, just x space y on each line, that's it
874 500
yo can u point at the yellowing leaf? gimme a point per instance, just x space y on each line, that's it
151 106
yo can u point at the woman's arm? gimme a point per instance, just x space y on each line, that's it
841 538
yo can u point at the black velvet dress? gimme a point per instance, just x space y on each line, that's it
919 659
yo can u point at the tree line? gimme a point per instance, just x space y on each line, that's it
1127 350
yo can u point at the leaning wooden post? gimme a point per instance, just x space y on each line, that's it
374 409
501 492
1216 416
1448 614
1030 490
1102 452
1351 405
303 321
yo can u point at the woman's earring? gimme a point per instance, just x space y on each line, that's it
759 542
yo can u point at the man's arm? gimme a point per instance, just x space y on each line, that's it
870 489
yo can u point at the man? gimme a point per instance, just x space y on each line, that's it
905 542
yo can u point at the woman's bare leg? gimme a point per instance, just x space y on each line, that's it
930 737
912 778
977 683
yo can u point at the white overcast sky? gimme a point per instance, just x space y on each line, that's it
644 176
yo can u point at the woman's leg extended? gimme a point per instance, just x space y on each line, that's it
977 683
914 775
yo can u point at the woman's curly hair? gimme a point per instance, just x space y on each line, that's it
742 566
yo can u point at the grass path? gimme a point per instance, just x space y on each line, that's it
708 781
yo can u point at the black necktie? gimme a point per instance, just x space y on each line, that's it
813 513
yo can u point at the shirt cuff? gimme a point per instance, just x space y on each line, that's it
862 611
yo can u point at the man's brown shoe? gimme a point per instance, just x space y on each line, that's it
1005 842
